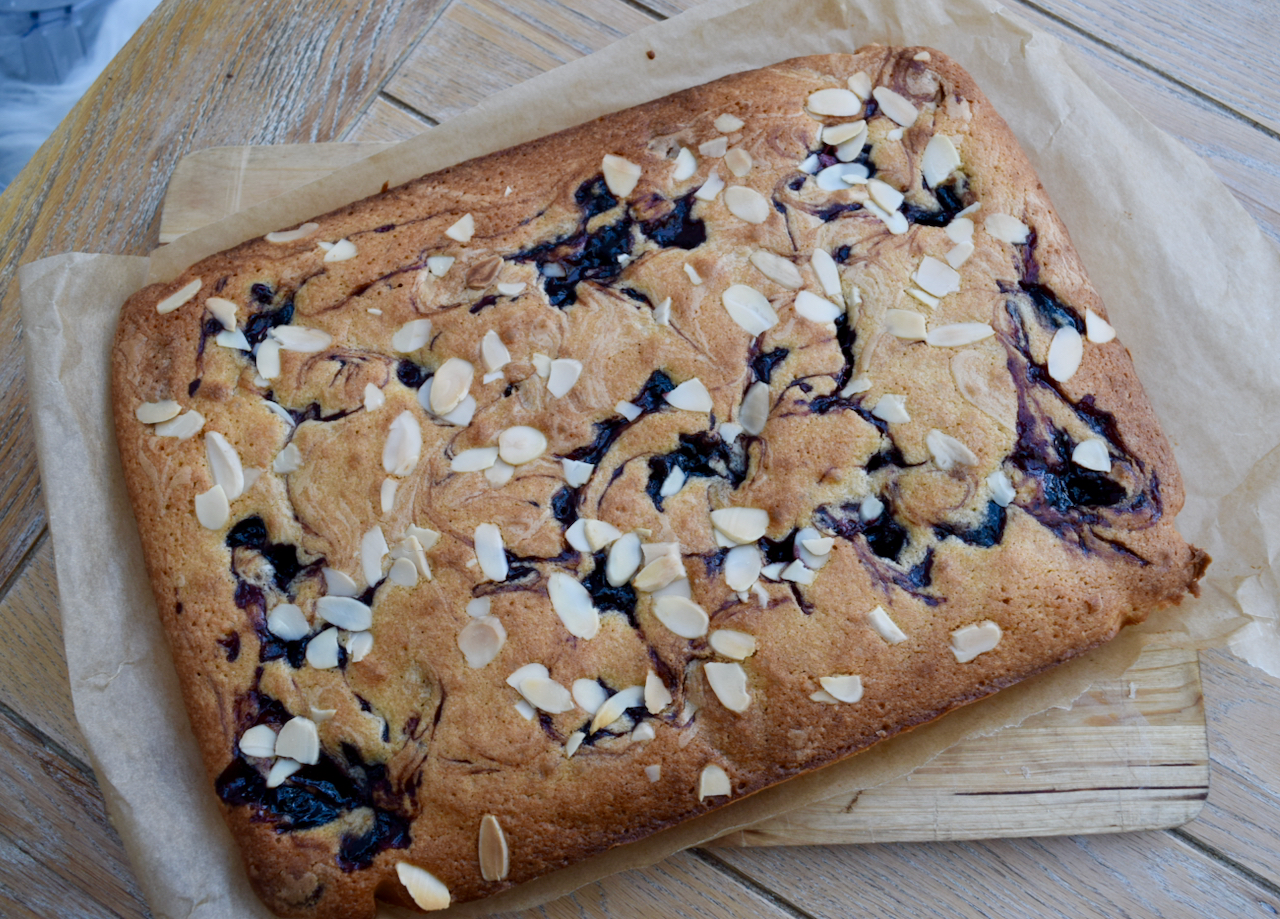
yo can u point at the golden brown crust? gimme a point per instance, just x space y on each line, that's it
433 745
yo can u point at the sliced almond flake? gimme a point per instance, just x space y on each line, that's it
690 396
493 352
521 444
546 695
572 603
694 278
616 706
541 364
897 107
425 889
288 236
1092 454
816 309
287 621
837 102
338 584
714 148
480 641
749 308
820 545
855 386
742 524
727 124
960 230
837 134
553 270
490 552
940 160
729 683
628 410
439 265
599 533
374 311
492 377
860 85
906 324
288 460
495 862
373 548
656 695
1097 329
738 161
157 412
462 415
928 300
179 297
960 254
224 464
672 484
233 339
1066 351
564 373
280 771
708 191
1002 490
403 446
812 559
525 710
825 697
223 310
513 289
828 272
450 385
659 573
777 269
373 398
576 536
345 612
358 645
340 251
403 573
621 175
1007 229
733 644
411 336
186 425
799 573
885 195
624 560
212 508
892 408
299 740
681 616
850 150
885 626
475 460
258 741
975 206
574 742
713 783
643 732
301 339
653 551
520 674
267 359
844 687
686 165
411 548
896 221
969 641
589 695
747 204
870 508
937 277
742 567
576 472
279 412
832 178
958 334
662 312
947 451
811 164
462 230
479 607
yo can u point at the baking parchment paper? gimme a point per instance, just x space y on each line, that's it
1187 276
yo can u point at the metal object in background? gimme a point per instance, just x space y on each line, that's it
42 40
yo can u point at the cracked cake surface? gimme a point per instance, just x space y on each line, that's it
573 491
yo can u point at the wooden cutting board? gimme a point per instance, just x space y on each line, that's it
1130 754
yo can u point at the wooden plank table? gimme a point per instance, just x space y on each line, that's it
200 75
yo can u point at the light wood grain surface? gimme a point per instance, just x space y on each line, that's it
201 75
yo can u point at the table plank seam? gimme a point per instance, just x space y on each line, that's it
50 744
395 65
27 555
647 10
753 884
1155 71
1226 861
404 107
